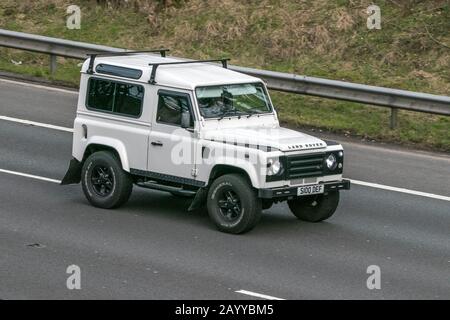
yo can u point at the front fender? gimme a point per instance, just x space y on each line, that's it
241 165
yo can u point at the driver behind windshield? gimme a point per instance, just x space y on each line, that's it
232 100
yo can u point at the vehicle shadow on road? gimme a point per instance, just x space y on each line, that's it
150 202
169 208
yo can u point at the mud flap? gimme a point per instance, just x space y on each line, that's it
199 199
73 175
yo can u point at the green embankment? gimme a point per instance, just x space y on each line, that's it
319 38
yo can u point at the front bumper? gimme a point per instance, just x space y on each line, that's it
292 191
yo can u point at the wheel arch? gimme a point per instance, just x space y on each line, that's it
114 146
93 148
73 174
221 169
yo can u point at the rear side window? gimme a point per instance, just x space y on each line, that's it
115 97
101 95
128 99
170 107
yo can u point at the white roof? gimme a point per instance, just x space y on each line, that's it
185 76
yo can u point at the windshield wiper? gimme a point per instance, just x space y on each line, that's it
228 112
251 113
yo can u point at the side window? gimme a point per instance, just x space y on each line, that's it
115 97
101 95
170 108
128 99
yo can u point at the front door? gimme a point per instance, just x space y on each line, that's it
171 147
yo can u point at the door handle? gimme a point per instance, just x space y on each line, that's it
157 143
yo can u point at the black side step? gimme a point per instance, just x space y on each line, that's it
162 187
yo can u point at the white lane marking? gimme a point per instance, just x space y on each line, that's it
358 182
403 190
37 124
415 153
258 295
37 86
32 176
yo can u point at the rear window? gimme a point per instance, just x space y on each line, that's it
115 97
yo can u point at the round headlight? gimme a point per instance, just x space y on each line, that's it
273 167
331 162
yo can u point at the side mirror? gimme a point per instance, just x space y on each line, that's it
185 119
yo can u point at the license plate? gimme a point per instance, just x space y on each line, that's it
311 189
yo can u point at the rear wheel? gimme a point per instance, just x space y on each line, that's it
233 205
315 208
104 182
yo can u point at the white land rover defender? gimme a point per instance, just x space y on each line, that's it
195 129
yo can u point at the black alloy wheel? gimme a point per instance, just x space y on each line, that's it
230 205
102 181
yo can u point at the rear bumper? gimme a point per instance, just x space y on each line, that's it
292 191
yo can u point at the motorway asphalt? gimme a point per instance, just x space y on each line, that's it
152 248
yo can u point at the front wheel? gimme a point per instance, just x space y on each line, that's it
104 182
315 208
233 205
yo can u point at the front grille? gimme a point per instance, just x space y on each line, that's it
302 166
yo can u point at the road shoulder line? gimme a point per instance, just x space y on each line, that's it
402 190
258 295
38 86
36 124
32 176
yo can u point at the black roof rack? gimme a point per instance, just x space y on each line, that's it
92 56
156 65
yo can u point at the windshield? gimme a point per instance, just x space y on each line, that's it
232 100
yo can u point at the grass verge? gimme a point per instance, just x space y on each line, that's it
318 38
